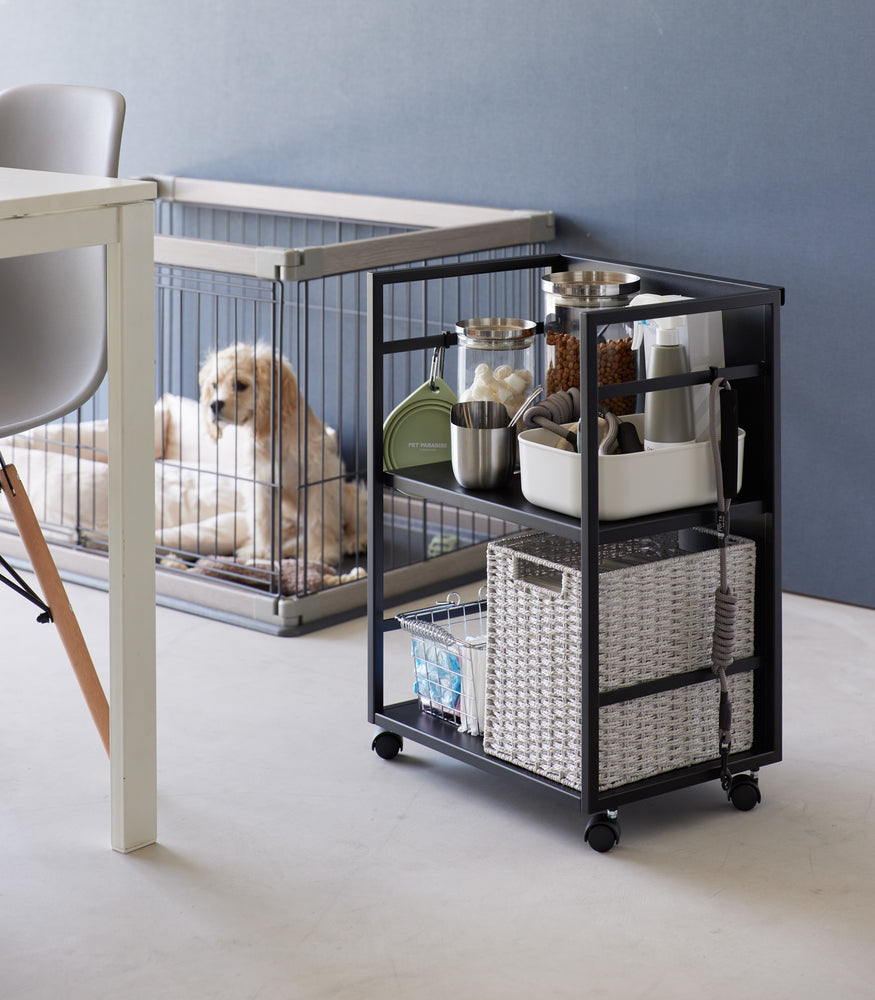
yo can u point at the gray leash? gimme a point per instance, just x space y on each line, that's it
557 409
725 601
564 408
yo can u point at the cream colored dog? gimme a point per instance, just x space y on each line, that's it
292 458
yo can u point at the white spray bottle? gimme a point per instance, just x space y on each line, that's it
668 413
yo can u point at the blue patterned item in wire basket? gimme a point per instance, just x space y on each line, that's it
449 656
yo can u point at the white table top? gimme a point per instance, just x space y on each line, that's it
37 192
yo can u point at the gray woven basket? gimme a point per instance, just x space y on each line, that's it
656 615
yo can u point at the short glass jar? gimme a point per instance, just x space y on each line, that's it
496 360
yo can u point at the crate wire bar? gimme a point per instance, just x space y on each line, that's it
250 265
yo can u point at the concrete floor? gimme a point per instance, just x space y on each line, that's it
294 863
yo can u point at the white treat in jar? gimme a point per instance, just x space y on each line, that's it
516 383
504 385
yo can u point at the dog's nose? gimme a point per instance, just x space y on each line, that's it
216 406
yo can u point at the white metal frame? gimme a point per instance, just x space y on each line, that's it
445 230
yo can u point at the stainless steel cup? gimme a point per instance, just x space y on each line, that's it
481 444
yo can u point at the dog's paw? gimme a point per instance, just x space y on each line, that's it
356 573
173 562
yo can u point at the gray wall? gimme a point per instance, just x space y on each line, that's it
731 137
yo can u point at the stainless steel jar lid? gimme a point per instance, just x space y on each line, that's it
491 332
592 288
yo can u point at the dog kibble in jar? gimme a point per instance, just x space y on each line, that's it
567 296
616 363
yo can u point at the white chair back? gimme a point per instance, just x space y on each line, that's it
53 306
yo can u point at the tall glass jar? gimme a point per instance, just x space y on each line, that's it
567 296
496 360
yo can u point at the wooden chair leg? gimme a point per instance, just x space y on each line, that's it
56 597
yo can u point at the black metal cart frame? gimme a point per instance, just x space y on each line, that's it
751 320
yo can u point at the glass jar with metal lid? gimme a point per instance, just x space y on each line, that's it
496 360
567 296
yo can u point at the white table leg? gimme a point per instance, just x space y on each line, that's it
131 386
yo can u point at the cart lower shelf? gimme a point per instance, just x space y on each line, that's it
406 720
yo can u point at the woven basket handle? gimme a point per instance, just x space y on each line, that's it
552 585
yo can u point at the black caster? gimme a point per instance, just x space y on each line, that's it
387 745
603 832
744 792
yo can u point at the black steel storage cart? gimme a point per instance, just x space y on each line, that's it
751 316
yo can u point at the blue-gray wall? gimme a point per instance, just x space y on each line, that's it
732 137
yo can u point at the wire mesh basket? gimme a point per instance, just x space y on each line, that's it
449 655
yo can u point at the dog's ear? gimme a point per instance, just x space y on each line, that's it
208 369
206 377
289 390
265 388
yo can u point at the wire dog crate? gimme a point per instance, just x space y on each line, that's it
264 524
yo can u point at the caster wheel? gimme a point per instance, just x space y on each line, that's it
387 745
602 832
744 792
